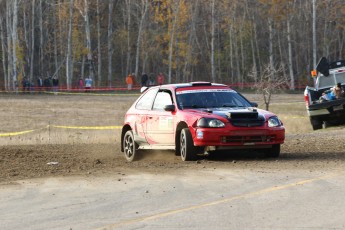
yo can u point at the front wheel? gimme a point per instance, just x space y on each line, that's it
130 147
187 148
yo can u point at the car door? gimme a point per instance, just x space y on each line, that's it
143 107
160 123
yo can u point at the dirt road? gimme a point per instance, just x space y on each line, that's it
63 142
61 168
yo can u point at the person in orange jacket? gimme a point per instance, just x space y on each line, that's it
129 81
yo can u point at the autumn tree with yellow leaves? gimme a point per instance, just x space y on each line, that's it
209 40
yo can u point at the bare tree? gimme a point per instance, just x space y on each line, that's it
14 43
218 40
143 10
172 37
32 50
110 41
3 57
99 53
84 11
314 33
128 11
270 80
213 22
69 64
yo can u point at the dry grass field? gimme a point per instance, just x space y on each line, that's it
82 134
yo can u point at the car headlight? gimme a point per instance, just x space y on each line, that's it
210 123
274 122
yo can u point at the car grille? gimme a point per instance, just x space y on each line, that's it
247 139
247 122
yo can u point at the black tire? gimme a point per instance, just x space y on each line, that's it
274 151
187 149
129 146
316 123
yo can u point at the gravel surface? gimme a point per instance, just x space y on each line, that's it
53 152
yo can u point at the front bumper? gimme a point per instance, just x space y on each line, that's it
238 137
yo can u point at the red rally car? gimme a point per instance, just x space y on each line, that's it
196 118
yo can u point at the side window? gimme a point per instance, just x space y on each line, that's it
145 102
163 98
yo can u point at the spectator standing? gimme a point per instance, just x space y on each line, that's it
39 84
160 79
46 84
80 84
26 84
129 81
55 82
151 81
31 87
88 84
16 86
144 79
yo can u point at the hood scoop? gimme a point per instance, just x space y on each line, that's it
250 118
251 114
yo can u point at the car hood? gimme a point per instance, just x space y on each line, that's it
234 113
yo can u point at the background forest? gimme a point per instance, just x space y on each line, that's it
226 41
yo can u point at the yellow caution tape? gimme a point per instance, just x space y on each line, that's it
15 133
62 127
87 127
292 117
94 94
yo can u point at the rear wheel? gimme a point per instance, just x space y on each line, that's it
316 123
187 149
130 147
274 151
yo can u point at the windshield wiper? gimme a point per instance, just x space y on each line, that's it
229 105
192 106
198 106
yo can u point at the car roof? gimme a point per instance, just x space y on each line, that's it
185 85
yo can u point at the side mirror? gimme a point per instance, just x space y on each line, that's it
143 89
170 108
254 104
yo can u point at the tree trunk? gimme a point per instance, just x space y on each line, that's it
110 42
140 29
292 78
270 42
237 61
14 42
231 53
128 3
41 56
9 44
55 43
88 40
32 49
186 73
314 33
171 42
3 54
69 66
257 45
99 53
213 66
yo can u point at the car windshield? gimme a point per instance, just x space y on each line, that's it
210 98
